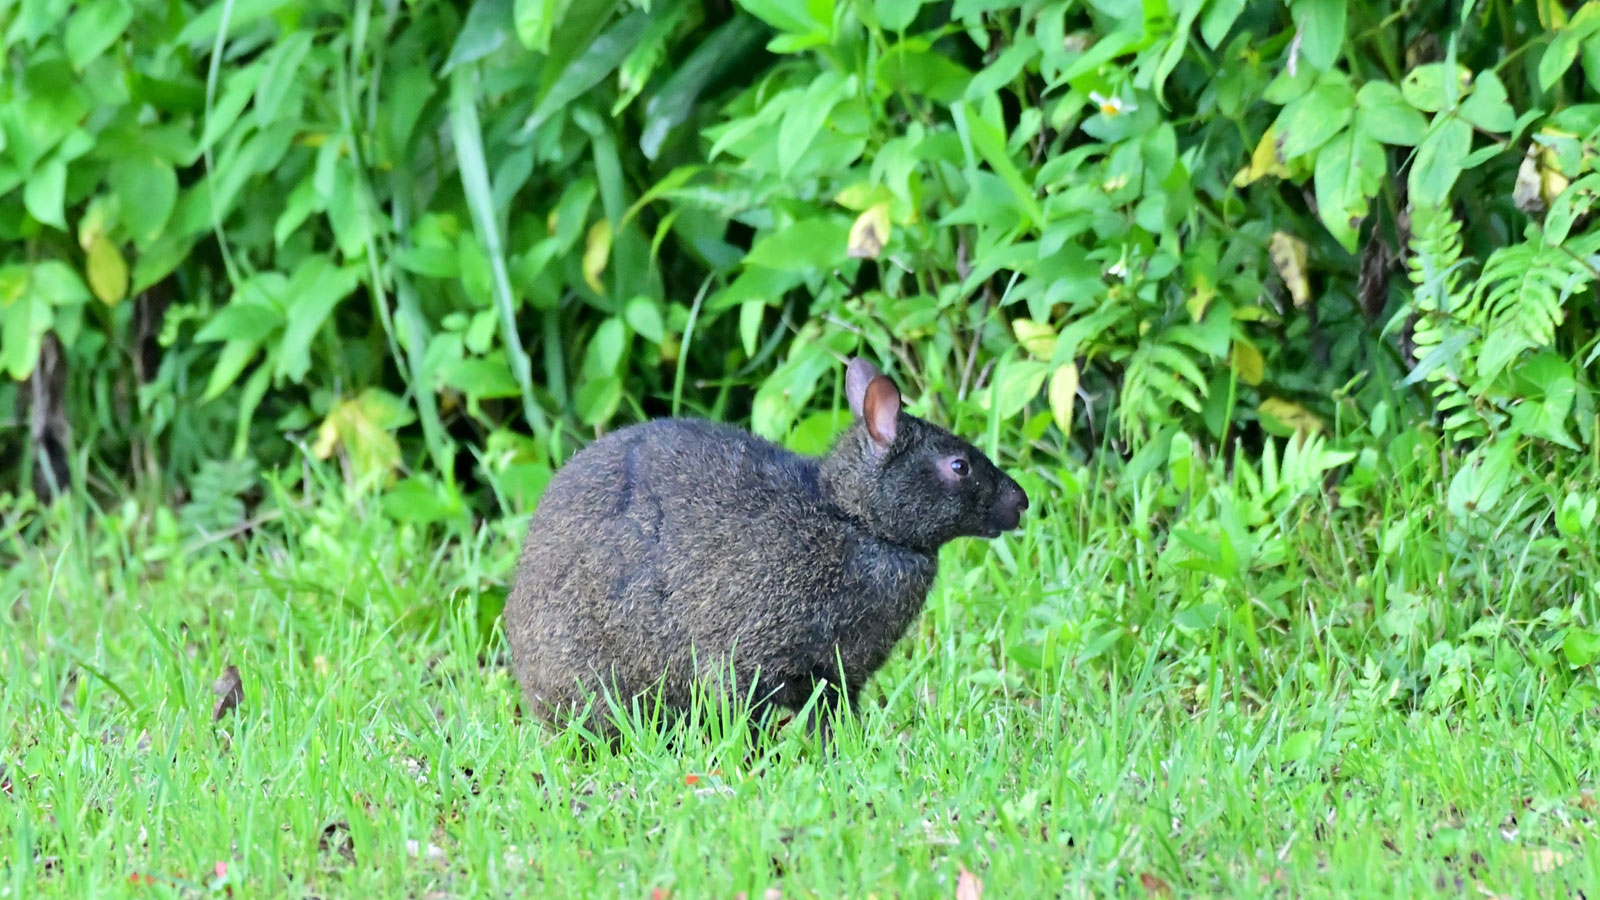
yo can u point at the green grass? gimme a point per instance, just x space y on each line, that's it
1056 724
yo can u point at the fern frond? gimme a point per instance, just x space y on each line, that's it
1160 375
1521 295
1448 331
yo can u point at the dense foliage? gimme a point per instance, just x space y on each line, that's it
1230 254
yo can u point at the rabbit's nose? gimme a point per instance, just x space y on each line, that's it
1009 506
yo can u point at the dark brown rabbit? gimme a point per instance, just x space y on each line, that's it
674 552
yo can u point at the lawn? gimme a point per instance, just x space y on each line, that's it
1070 717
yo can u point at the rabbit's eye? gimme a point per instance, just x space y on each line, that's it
960 467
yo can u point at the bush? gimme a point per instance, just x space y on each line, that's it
448 243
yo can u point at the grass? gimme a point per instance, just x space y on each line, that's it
1057 724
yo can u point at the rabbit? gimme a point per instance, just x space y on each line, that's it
680 551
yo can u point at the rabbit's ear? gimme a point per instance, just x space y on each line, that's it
882 412
857 376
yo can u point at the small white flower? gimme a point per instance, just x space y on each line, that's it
1111 106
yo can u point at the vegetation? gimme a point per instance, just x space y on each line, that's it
1284 314
1060 722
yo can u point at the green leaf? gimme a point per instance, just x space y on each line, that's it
236 92
1482 481
488 378
55 102
1487 107
896 15
57 283
1426 87
918 70
802 246
724 49
598 399
806 116
534 21
1218 20
245 318
785 15
24 321
755 283
1590 55
1439 160
485 30
202 29
1015 384
750 315
1558 58
598 60
606 348
990 143
643 315
314 289
282 77
93 27
473 170
1310 121
230 363
1349 172
44 192
1581 646
146 190
1322 27
1383 115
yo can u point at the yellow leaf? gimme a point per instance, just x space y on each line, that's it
1292 416
107 270
861 195
870 232
1552 180
1037 338
1247 362
93 223
1200 300
1289 255
1063 392
596 252
1264 161
361 426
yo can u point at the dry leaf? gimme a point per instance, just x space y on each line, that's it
229 690
870 232
1525 192
968 886
1155 885
1372 285
1289 255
